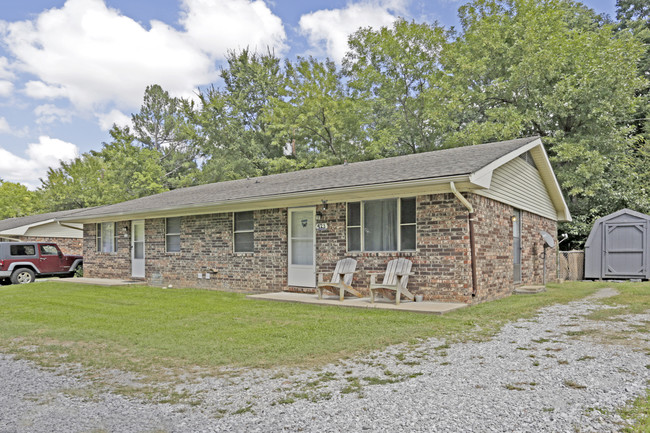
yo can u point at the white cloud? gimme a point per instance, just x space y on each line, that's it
100 59
328 30
4 126
107 120
48 152
49 113
219 26
4 67
6 88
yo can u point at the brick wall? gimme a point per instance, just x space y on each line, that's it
441 263
206 247
108 265
532 254
70 246
494 248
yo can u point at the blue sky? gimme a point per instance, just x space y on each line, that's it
70 68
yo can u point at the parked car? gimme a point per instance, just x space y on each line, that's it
23 262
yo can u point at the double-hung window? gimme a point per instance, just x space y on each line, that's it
106 237
173 234
382 225
243 232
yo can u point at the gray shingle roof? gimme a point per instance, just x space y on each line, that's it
430 165
13 223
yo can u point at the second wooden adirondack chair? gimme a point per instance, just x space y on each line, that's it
396 278
341 279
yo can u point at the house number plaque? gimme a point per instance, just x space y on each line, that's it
321 226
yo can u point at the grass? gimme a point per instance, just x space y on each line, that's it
145 329
639 412
573 384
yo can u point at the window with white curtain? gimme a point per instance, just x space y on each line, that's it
106 237
381 225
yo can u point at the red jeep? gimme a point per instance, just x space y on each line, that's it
22 262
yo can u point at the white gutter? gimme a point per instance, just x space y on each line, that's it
460 197
69 226
199 208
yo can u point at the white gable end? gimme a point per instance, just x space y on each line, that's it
520 185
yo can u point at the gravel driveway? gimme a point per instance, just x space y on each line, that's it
556 372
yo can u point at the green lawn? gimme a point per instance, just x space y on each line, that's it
143 328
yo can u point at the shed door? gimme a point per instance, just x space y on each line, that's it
302 247
625 250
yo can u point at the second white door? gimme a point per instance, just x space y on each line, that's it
302 247
137 249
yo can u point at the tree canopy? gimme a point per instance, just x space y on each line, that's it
552 68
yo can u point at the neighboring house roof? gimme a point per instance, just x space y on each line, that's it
21 226
470 167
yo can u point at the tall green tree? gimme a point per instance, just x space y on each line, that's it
392 68
163 124
16 200
232 122
121 171
317 119
555 69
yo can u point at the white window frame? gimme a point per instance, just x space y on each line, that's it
167 235
236 232
99 235
362 239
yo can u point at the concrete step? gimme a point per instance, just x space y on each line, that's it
529 290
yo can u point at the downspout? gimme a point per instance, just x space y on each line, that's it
472 248
68 226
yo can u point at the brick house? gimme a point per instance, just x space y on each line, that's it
468 218
45 228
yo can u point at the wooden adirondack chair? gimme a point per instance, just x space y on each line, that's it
341 279
396 278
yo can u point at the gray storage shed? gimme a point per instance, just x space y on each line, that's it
617 246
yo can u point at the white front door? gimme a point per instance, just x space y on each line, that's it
302 247
137 248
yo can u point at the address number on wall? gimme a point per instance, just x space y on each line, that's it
321 226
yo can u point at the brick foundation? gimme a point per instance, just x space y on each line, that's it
441 264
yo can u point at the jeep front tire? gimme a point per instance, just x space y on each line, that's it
22 276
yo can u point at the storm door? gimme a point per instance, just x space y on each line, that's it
137 249
302 247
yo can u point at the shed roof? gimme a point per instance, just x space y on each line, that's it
440 164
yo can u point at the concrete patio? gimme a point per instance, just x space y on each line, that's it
426 307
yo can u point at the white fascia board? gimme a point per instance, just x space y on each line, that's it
16 231
308 198
21 230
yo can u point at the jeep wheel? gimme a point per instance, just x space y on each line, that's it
23 276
